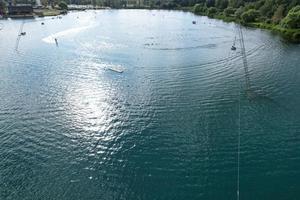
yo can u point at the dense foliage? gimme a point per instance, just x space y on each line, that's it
211 11
229 11
270 11
249 16
292 20
2 7
63 5
279 15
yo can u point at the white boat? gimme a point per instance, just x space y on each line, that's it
114 69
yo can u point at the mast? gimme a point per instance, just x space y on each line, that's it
19 35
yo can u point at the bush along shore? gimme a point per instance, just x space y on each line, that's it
276 15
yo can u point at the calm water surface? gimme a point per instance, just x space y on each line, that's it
165 128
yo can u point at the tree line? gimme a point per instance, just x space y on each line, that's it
284 12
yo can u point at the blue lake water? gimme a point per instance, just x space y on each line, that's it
165 128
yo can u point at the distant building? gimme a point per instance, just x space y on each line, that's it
134 3
20 9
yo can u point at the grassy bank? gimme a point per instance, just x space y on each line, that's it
47 12
290 34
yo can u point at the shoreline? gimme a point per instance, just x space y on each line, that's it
291 35
51 12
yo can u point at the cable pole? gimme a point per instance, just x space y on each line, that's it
19 35
244 57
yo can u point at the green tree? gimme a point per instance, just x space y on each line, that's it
235 3
292 20
291 3
229 11
222 4
296 36
210 3
2 7
94 3
63 5
44 3
268 8
211 11
238 13
259 4
278 15
200 9
249 16
249 6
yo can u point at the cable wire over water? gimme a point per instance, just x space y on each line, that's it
247 79
239 146
19 35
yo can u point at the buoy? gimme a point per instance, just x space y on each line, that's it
42 23
194 22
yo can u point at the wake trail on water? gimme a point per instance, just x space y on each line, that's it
51 38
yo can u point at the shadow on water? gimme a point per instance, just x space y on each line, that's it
253 94
258 95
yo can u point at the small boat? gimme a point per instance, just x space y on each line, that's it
23 33
115 69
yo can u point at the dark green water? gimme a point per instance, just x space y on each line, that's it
166 128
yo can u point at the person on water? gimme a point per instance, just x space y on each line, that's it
56 42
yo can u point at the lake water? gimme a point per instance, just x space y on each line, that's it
165 128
